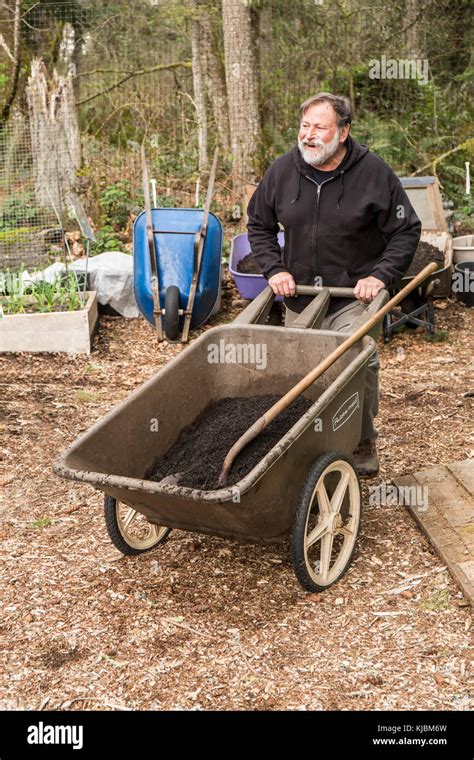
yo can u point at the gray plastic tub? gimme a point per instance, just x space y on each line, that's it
463 248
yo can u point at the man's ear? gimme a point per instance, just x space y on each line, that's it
344 132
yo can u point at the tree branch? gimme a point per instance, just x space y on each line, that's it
139 72
103 71
405 29
6 48
467 144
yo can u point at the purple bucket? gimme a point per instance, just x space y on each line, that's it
248 285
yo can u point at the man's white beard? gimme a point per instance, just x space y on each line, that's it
325 153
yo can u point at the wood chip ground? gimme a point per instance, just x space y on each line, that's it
203 623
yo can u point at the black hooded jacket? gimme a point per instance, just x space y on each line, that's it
358 223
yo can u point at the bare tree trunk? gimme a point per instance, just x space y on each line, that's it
241 81
215 82
199 95
16 64
55 138
411 39
76 60
70 52
265 60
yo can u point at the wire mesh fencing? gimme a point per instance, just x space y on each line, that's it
95 87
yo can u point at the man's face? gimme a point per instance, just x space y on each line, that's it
320 137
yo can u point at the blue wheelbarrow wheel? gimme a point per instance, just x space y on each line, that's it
172 312
129 531
327 521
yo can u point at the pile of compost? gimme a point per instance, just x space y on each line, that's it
199 452
248 265
424 255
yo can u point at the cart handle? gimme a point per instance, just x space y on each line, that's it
313 375
155 280
313 290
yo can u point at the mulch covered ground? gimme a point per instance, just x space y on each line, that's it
204 623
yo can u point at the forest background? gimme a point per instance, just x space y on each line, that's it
83 85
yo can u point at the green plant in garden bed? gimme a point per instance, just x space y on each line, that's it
18 296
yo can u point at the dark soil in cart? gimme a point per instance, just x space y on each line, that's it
199 452
424 255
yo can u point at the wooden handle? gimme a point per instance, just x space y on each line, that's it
313 375
155 285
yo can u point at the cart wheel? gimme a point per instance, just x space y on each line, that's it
326 522
171 312
129 531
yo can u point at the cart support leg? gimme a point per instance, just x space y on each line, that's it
313 315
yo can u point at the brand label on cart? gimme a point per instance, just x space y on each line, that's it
345 411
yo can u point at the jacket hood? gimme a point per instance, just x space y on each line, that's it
355 152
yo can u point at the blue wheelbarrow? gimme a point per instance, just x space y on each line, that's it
177 256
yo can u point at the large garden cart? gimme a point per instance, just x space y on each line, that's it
305 487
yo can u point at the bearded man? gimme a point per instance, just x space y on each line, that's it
347 222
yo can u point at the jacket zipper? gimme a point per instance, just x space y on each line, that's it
314 240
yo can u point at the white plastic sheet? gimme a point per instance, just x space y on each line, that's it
111 275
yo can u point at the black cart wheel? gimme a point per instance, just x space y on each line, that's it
172 312
326 522
129 531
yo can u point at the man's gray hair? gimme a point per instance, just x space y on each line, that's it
341 105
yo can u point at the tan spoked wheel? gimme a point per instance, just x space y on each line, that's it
326 523
129 531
